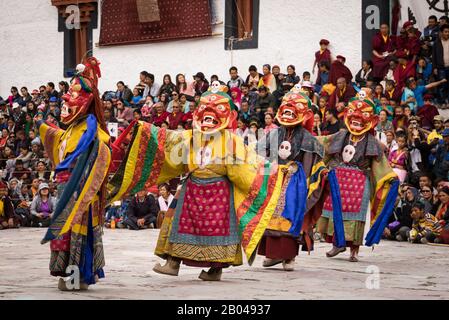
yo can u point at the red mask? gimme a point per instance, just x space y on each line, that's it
295 110
79 97
213 113
359 116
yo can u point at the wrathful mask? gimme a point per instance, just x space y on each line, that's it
81 92
359 116
214 113
295 110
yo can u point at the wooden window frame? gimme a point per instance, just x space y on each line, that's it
231 27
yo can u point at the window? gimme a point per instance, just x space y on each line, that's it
241 24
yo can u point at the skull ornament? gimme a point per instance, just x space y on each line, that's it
203 157
285 150
215 87
348 153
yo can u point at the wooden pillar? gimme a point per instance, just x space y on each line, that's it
86 7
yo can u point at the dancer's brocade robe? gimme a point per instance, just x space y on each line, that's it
81 157
365 184
225 202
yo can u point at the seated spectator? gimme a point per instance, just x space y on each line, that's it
137 97
400 222
236 81
165 197
25 155
22 207
441 167
269 123
317 124
442 215
142 212
265 100
331 124
167 86
35 186
242 128
42 207
20 172
42 172
391 92
8 218
343 93
252 80
424 227
174 119
159 115
364 73
124 113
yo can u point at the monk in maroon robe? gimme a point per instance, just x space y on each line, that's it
427 112
404 70
392 92
343 93
339 70
383 51
322 55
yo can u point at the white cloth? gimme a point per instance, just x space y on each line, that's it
163 206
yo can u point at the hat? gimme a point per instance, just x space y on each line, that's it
15 105
2 103
408 24
428 97
3 185
432 136
53 99
341 57
36 141
324 41
308 84
43 185
199 75
438 118
445 132
445 189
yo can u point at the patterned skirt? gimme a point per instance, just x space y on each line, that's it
202 228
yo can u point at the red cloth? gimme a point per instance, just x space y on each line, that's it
337 97
413 46
325 56
396 95
62 244
339 70
157 120
278 248
427 112
381 65
206 208
352 185
179 19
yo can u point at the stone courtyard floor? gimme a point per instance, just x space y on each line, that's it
406 271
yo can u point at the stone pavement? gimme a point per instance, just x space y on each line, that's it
406 272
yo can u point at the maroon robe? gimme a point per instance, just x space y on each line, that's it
427 112
381 65
396 95
320 57
337 97
174 120
401 74
413 47
339 70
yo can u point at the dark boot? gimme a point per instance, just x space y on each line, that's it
214 274
171 267
335 251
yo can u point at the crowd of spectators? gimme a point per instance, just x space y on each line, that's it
408 76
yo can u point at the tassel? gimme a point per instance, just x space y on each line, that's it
339 229
376 231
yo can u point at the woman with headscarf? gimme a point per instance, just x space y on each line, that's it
236 95
268 80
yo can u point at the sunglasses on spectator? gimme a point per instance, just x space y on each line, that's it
174 94
425 190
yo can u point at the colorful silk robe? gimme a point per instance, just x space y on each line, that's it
82 157
158 155
380 184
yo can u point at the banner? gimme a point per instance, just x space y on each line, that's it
420 11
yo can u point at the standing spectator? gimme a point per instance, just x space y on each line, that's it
142 212
441 64
42 207
236 81
441 166
398 158
323 55
427 113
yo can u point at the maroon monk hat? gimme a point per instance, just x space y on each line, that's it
428 97
325 42
341 57
408 24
